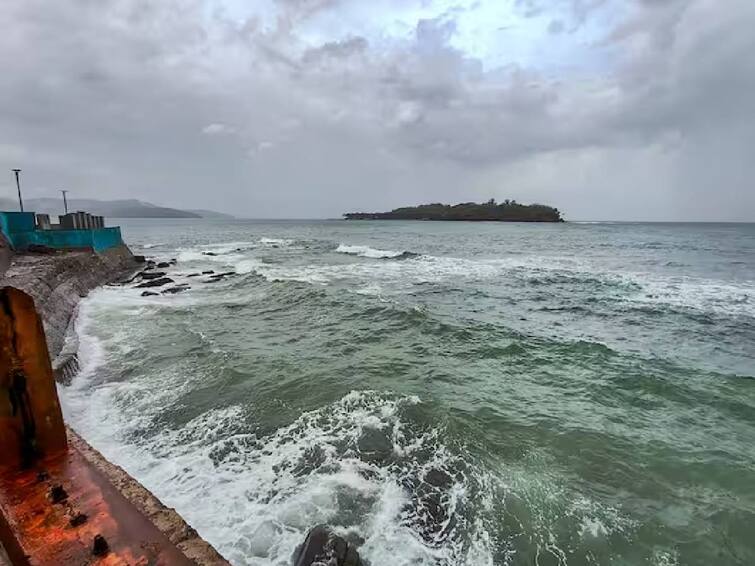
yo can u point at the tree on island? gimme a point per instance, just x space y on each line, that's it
507 211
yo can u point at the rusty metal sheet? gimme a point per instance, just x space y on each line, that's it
58 533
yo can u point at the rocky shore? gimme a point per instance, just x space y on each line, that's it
58 280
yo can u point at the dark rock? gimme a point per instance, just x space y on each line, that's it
58 494
173 261
140 259
40 249
208 272
176 289
76 518
193 275
100 547
322 546
163 265
209 253
224 274
148 275
155 282
149 294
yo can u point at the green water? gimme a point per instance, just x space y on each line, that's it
441 393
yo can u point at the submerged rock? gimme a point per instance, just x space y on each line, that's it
149 294
322 546
163 265
148 275
193 275
155 282
176 289
220 276
208 272
209 253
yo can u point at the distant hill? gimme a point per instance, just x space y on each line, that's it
507 211
209 213
126 208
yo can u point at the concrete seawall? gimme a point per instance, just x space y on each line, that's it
57 282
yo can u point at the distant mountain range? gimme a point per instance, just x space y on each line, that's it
127 208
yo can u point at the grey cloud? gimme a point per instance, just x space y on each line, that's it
143 100
336 49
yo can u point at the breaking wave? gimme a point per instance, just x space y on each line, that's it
366 251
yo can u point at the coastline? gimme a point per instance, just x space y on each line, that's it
57 282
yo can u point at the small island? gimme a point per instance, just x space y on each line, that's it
507 211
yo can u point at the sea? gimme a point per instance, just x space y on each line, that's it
440 393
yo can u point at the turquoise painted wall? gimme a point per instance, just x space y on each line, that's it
18 228
12 222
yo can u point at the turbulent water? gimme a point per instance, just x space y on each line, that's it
441 393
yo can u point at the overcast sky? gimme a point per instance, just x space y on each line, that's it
607 109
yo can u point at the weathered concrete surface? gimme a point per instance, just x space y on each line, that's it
58 281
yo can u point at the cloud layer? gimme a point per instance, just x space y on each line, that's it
617 109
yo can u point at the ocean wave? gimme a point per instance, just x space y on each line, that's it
355 463
366 251
277 242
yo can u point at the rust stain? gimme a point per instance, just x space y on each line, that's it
41 531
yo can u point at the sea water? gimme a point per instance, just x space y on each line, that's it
439 393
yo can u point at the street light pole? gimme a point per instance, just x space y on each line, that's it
18 186
65 202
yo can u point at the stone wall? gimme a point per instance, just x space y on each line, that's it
57 282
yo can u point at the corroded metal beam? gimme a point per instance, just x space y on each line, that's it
31 422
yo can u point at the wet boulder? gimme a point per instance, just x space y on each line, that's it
149 275
220 276
208 272
149 294
163 265
322 546
176 289
155 282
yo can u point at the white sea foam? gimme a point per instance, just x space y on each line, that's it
255 497
150 246
276 242
636 288
366 251
703 295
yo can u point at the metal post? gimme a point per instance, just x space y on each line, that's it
65 202
18 186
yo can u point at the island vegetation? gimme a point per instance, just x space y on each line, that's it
506 211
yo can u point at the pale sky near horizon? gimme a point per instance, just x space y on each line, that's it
607 109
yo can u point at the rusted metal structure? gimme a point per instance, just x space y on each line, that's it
56 508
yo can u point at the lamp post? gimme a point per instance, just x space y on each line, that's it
18 186
65 202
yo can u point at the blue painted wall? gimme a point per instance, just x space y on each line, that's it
18 228
12 222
